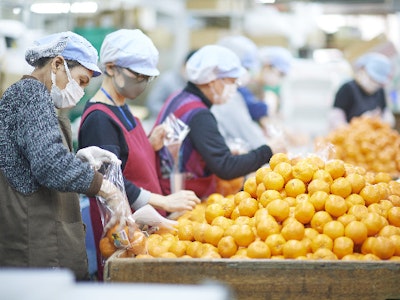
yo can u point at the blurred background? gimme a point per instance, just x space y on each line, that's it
324 36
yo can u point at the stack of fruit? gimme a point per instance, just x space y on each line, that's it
301 208
366 142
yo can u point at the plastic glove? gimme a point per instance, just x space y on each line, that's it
181 201
96 156
147 215
116 202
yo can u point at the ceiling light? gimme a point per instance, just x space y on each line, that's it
265 1
84 7
50 8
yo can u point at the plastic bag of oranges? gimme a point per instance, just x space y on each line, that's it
118 232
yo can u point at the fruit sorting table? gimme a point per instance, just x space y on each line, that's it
253 279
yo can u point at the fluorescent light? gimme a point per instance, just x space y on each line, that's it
265 1
84 7
64 8
17 10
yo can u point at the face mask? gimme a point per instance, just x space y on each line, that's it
367 83
69 96
227 93
127 86
272 77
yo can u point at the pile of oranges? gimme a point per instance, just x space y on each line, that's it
366 142
302 208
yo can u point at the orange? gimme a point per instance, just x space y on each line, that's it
260 173
310 233
185 232
194 249
293 230
267 226
258 249
302 197
323 175
210 255
157 250
352 257
118 234
354 199
235 213
268 196
273 181
374 222
167 255
227 246
325 254
277 158
212 211
318 185
382 177
243 235
341 187
178 248
370 194
370 257
303 171
342 246
248 207
222 222
321 241
335 168
295 187
214 198
333 229
316 161
357 182
359 211
335 205
213 234
291 201
261 214
250 186
383 247
304 211
393 216
260 190
294 249
143 256
396 241
107 248
319 219
366 246
244 220
389 230
395 199
239 196
357 231
199 230
285 170
279 209
346 219
228 205
318 199
275 243
138 243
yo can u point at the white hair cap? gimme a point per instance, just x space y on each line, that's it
212 62
131 49
276 56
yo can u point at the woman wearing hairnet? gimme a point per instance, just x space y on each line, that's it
40 219
212 73
364 95
130 61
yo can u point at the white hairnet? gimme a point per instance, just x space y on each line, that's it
276 56
377 66
244 48
212 62
131 49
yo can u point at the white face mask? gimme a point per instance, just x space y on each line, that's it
367 83
227 93
69 96
272 77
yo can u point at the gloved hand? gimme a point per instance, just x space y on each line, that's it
96 156
117 203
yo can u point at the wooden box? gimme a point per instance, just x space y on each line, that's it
253 279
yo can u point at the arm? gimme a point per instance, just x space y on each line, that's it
211 145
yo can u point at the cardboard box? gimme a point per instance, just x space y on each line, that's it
255 279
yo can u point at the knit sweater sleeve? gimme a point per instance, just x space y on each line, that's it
216 154
40 143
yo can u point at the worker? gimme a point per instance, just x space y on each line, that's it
129 59
213 72
40 177
364 95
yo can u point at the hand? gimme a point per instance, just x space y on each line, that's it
96 156
181 201
277 145
156 137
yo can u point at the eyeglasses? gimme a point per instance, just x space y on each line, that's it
139 77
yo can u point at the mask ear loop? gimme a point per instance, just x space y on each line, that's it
67 71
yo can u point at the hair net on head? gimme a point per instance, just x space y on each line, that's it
69 45
276 56
131 49
212 62
377 66
244 48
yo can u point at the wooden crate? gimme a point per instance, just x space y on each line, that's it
267 279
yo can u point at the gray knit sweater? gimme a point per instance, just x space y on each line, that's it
31 150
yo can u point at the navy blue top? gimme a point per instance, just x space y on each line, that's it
257 108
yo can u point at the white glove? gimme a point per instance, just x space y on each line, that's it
96 156
117 203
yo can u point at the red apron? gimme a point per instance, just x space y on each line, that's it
140 169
